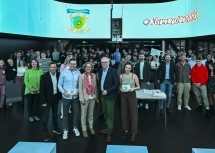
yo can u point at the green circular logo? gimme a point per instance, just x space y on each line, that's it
78 22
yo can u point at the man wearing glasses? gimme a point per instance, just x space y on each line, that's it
108 85
68 86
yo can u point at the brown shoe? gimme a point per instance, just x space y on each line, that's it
85 135
92 132
104 131
108 139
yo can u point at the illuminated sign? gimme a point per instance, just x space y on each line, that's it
78 20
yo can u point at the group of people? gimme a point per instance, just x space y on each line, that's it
80 88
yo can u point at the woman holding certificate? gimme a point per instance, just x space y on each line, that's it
87 97
129 82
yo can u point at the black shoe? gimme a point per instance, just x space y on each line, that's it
57 131
199 108
46 138
208 113
133 138
124 135
161 112
168 110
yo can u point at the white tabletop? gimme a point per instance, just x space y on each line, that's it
148 94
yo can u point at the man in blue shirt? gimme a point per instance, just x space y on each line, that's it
68 86
117 58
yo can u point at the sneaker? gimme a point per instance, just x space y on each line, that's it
146 106
46 138
179 107
36 118
57 131
65 134
141 104
10 104
76 132
31 119
92 132
85 134
187 107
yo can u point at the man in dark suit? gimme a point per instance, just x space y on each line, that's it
143 71
167 77
49 98
108 85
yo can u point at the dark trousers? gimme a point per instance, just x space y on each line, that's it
45 114
33 104
129 111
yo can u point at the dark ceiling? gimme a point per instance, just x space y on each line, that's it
114 1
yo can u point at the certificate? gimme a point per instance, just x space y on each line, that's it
126 88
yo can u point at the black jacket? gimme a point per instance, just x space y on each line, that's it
146 71
162 72
46 88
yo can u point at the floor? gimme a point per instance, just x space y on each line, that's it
184 130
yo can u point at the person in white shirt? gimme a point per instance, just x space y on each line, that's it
21 69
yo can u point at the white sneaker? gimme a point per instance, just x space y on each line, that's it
146 106
179 107
188 107
65 134
76 132
141 104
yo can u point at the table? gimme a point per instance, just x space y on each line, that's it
34 147
202 150
126 149
147 94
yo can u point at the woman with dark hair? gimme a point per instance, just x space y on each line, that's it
129 82
2 82
32 85
211 85
21 69
87 95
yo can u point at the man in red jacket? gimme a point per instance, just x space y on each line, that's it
199 77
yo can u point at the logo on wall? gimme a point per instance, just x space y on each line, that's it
156 21
78 20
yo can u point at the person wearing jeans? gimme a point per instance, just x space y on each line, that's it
68 86
166 78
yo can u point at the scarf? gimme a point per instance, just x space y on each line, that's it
90 88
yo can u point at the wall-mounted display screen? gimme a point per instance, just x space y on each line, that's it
181 18
49 18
